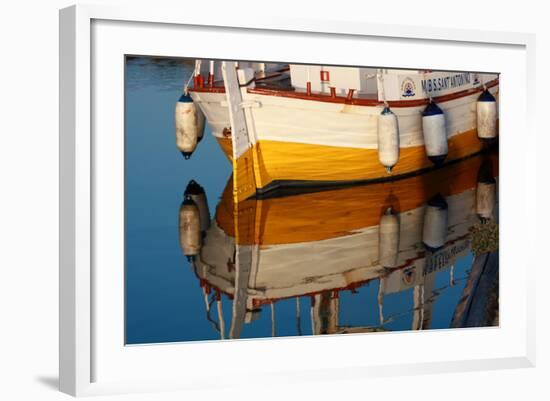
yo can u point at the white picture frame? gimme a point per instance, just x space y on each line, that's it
93 358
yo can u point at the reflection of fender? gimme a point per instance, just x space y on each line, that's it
196 192
436 219
189 228
486 192
388 239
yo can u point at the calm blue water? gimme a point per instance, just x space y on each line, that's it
164 298
162 295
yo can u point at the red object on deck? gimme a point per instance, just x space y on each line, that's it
332 92
308 88
198 81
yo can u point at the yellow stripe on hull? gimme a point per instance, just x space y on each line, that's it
269 161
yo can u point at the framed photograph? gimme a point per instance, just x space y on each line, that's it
292 200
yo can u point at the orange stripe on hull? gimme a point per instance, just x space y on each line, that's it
279 161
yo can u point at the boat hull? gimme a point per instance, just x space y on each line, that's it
299 142
280 164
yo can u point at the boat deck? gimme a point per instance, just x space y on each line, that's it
278 83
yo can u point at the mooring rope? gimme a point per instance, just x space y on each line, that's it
186 86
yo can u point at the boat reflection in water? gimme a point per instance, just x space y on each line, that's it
319 247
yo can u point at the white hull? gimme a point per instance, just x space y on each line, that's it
283 119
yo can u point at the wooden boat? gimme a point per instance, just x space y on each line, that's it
318 244
304 125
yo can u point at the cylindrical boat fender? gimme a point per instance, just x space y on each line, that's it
435 133
198 195
486 116
190 229
388 139
189 125
388 239
434 231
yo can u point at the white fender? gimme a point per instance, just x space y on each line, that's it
434 231
486 116
388 139
435 133
189 125
190 229
388 239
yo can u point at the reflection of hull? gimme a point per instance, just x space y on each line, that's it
328 214
288 280
329 241
289 270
